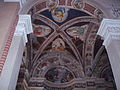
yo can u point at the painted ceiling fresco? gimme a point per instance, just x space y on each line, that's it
64 43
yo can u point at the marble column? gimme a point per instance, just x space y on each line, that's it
9 74
110 31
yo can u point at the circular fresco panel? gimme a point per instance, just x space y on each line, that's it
59 14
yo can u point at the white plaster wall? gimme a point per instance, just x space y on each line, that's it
8 13
113 50
11 67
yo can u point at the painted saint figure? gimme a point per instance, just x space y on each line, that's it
59 14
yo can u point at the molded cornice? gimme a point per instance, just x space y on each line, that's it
109 30
24 26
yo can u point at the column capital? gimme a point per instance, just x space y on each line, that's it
24 26
109 30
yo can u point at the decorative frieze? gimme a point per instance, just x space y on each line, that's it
76 83
7 44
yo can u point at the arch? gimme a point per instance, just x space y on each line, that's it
96 59
30 3
61 30
51 67
59 58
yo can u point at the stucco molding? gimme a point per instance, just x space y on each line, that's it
109 30
24 27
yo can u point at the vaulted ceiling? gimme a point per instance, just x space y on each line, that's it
68 26
64 38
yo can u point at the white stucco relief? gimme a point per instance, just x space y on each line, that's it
9 75
24 26
110 31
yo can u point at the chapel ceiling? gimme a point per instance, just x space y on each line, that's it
64 44
68 26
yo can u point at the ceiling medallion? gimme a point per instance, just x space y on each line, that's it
78 4
59 14
52 4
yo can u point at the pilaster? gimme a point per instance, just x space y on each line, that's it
24 26
10 71
110 31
